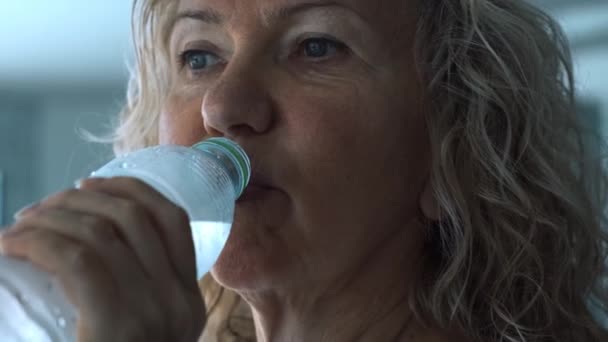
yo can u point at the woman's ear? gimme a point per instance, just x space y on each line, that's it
428 203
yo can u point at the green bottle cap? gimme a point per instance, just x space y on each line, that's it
236 154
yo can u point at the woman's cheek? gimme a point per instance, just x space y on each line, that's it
181 122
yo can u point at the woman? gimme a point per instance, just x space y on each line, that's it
419 175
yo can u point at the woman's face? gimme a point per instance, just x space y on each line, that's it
325 98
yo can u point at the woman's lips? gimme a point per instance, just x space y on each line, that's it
262 206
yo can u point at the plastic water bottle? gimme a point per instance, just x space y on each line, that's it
205 180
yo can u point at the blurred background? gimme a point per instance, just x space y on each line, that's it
63 68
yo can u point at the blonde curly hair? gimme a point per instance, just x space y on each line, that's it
520 254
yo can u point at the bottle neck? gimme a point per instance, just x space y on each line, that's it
232 157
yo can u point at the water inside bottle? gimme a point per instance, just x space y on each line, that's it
209 239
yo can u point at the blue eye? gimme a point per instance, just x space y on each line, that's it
197 60
318 48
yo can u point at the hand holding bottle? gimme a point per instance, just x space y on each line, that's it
124 255
126 248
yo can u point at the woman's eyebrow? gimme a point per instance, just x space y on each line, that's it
210 16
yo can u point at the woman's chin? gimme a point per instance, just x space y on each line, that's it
249 261
255 254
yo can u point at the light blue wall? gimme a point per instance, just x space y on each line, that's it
19 158
41 151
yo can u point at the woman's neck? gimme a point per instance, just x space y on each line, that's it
370 303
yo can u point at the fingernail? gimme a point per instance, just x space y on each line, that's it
78 183
10 233
23 211
6 235
84 182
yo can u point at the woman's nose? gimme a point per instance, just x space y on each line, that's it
237 104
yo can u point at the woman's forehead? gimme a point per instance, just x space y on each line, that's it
384 13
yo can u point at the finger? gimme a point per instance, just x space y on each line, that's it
98 234
132 223
173 222
86 281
